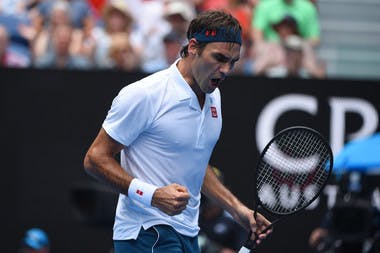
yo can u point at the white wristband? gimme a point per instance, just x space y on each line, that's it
141 191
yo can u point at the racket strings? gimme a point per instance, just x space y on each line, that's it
292 171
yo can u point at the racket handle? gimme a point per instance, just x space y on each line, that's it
248 246
244 250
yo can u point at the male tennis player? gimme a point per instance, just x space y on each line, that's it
166 126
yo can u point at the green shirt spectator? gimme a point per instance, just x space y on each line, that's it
269 12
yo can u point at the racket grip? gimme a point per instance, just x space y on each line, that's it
244 250
248 246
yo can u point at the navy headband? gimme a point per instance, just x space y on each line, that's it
218 35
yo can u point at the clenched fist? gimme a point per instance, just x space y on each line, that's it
171 199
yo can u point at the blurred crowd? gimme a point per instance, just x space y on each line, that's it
279 36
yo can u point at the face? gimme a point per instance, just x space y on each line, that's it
59 16
171 50
62 39
213 64
178 23
117 21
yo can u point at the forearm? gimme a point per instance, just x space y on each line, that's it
107 170
216 191
100 163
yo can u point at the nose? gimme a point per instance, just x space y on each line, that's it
225 68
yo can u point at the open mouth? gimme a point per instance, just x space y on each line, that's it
216 82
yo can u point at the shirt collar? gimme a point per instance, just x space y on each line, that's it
184 91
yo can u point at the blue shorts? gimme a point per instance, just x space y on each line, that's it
158 239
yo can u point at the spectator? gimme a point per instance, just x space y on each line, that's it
271 53
273 21
35 240
117 19
4 52
31 29
285 27
242 10
83 41
45 15
179 13
59 15
175 15
270 12
15 7
14 51
149 29
80 11
121 53
292 58
13 15
173 43
60 56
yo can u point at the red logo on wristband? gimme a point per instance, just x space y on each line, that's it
139 192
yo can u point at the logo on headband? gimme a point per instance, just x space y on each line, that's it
210 33
218 35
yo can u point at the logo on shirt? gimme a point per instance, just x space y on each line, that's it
214 113
140 192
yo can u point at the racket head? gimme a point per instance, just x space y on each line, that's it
292 171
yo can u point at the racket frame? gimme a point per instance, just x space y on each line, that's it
249 245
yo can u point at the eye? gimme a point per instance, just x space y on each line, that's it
221 58
233 62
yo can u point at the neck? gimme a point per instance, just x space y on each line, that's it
184 67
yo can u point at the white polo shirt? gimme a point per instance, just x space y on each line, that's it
168 139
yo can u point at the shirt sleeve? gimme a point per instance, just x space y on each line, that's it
130 114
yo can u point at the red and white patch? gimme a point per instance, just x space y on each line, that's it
139 192
214 113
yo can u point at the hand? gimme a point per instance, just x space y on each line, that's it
256 226
316 236
261 224
171 199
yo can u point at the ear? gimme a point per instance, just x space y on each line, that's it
193 47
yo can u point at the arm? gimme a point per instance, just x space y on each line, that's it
100 163
217 192
311 63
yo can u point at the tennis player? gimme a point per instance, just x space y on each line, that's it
166 126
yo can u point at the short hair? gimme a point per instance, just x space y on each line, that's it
210 20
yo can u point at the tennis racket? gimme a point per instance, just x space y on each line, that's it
291 172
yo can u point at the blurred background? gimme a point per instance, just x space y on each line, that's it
310 39
304 62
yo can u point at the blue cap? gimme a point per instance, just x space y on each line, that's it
36 238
